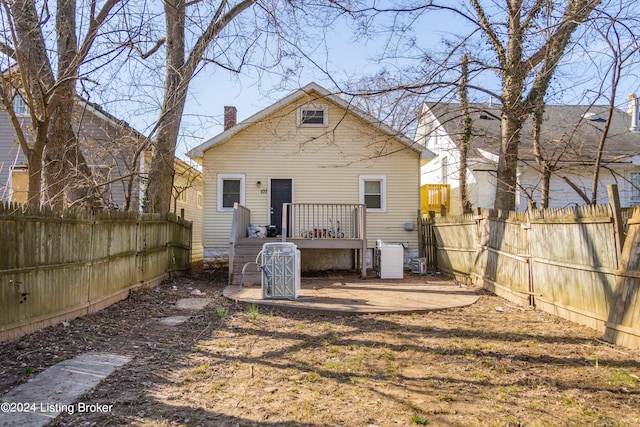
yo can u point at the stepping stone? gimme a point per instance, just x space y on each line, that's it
174 320
193 303
55 390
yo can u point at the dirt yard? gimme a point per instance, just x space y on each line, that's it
490 364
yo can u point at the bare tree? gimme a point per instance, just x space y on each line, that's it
617 47
520 55
227 34
465 137
623 46
182 62
523 42
49 95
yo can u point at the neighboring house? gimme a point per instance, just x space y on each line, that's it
187 202
317 169
570 138
109 147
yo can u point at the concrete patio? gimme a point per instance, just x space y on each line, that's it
349 294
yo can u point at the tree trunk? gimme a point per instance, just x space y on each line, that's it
512 117
65 164
34 160
544 168
51 102
465 204
161 172
178 75
37 78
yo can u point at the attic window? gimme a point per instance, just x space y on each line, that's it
20 106
485 116
313 115
593 117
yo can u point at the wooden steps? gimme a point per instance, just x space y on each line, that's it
246 252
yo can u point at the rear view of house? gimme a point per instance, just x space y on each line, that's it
320 172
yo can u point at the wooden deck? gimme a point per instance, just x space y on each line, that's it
308 226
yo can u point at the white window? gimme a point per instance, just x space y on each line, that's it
373 192
312 115
181 194
20 106
444 170
230 191
199 200
634 188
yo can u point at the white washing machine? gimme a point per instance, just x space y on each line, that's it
390 261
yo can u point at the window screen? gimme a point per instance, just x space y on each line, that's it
230 192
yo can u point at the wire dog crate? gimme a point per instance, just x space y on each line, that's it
280 271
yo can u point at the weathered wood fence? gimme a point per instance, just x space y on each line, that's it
569 262
55 268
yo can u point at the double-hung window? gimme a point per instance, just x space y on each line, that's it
634 188
230 191
373 192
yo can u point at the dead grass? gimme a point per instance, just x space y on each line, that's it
232 365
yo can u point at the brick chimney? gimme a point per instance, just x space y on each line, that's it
229 117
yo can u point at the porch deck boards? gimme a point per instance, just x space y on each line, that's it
321 243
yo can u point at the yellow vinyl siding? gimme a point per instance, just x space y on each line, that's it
324 163
191 181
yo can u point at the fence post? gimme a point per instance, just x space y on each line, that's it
618 226
527 226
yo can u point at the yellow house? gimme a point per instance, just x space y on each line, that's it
321 172
186 200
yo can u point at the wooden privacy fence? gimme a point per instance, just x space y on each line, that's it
623 324
568 262
56 268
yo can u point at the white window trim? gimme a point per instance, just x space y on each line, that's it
311 106
221 178
199 200
20 99
182 196
383 191
631 200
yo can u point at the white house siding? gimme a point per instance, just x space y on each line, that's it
480 180
324 164
561 195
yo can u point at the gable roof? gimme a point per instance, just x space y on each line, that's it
569 132
322 93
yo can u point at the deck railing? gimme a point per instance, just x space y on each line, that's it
323 221
240 222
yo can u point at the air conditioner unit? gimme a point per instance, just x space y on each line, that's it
418 266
